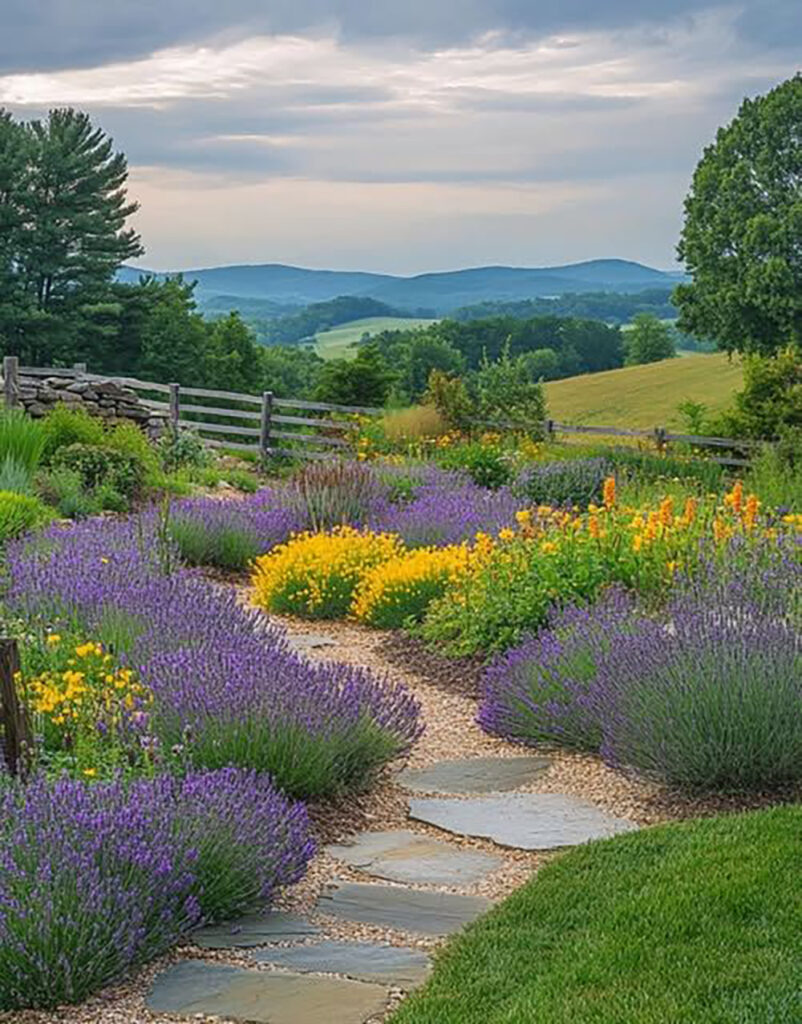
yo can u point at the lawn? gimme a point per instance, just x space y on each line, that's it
693 923
336 343
645 396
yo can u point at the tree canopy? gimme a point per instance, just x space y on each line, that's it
742 238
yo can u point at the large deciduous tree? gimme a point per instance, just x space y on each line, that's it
63 234
742 239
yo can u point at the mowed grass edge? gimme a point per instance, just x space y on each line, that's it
691 923
336 343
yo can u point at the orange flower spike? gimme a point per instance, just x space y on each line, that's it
750 511
593 527
608 492
691 507
666 513
735 498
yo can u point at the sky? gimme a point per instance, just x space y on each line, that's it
401 137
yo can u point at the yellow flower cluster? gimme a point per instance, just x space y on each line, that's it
316 574
401 589
83 688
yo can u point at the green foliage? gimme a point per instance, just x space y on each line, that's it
449 395
19 513
128 438
182 449
66 425
506 393
649 341
486 464
22 440
320 316
610 307
771 401
289 372
101 465
63 209
63 489
743 225
364 381
775 474
333 493
694 922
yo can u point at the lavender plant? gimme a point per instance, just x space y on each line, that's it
570 482
214 667
97 878
335 492
230 534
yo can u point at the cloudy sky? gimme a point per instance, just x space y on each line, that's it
402 137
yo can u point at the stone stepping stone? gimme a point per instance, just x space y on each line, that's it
404 856
525 821
475 775
402 909
365 961
309 641
255 930
262 997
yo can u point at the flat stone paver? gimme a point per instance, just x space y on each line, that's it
263 997
405 910
390 965
475 775
404 856
255 930
524 821
309 641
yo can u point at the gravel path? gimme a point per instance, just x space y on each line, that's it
449 707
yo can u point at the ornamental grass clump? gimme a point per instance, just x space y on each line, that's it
398 592
335 492
231 534
315 575
541 692
96 878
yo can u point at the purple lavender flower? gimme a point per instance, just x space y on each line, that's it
96 878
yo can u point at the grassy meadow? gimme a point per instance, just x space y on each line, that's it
336 343
645 396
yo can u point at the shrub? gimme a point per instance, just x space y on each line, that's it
399 591
19 513
715 703
64 426
316 575
128 438
182 449
335 493
485 464
230 534
64 490
99 464
14 476
97 878
22 443
569 482
541 691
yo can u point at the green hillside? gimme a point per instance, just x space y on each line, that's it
335 344
645 396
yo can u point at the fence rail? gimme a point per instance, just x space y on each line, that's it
255 430
304 429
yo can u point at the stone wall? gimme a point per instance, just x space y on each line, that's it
106 398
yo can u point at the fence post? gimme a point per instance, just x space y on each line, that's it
549 430
267 415
10 381
660 438
17 740
175 405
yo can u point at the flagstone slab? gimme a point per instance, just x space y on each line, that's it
402 909
365 961
309 641
263 997
255 930
404 856
524 821
475 775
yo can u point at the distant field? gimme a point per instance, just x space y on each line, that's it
645 396
335 344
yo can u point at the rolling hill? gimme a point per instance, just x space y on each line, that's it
645 396
429 294
336 343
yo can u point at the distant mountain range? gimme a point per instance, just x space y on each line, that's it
439 293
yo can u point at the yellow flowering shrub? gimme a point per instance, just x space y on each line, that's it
315 575
88 712
399 591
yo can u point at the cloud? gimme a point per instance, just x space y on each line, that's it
330 133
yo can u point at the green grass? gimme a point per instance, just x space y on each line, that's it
693 923
645 396
336 343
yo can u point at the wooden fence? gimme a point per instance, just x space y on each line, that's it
297 428
262 424
15 730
